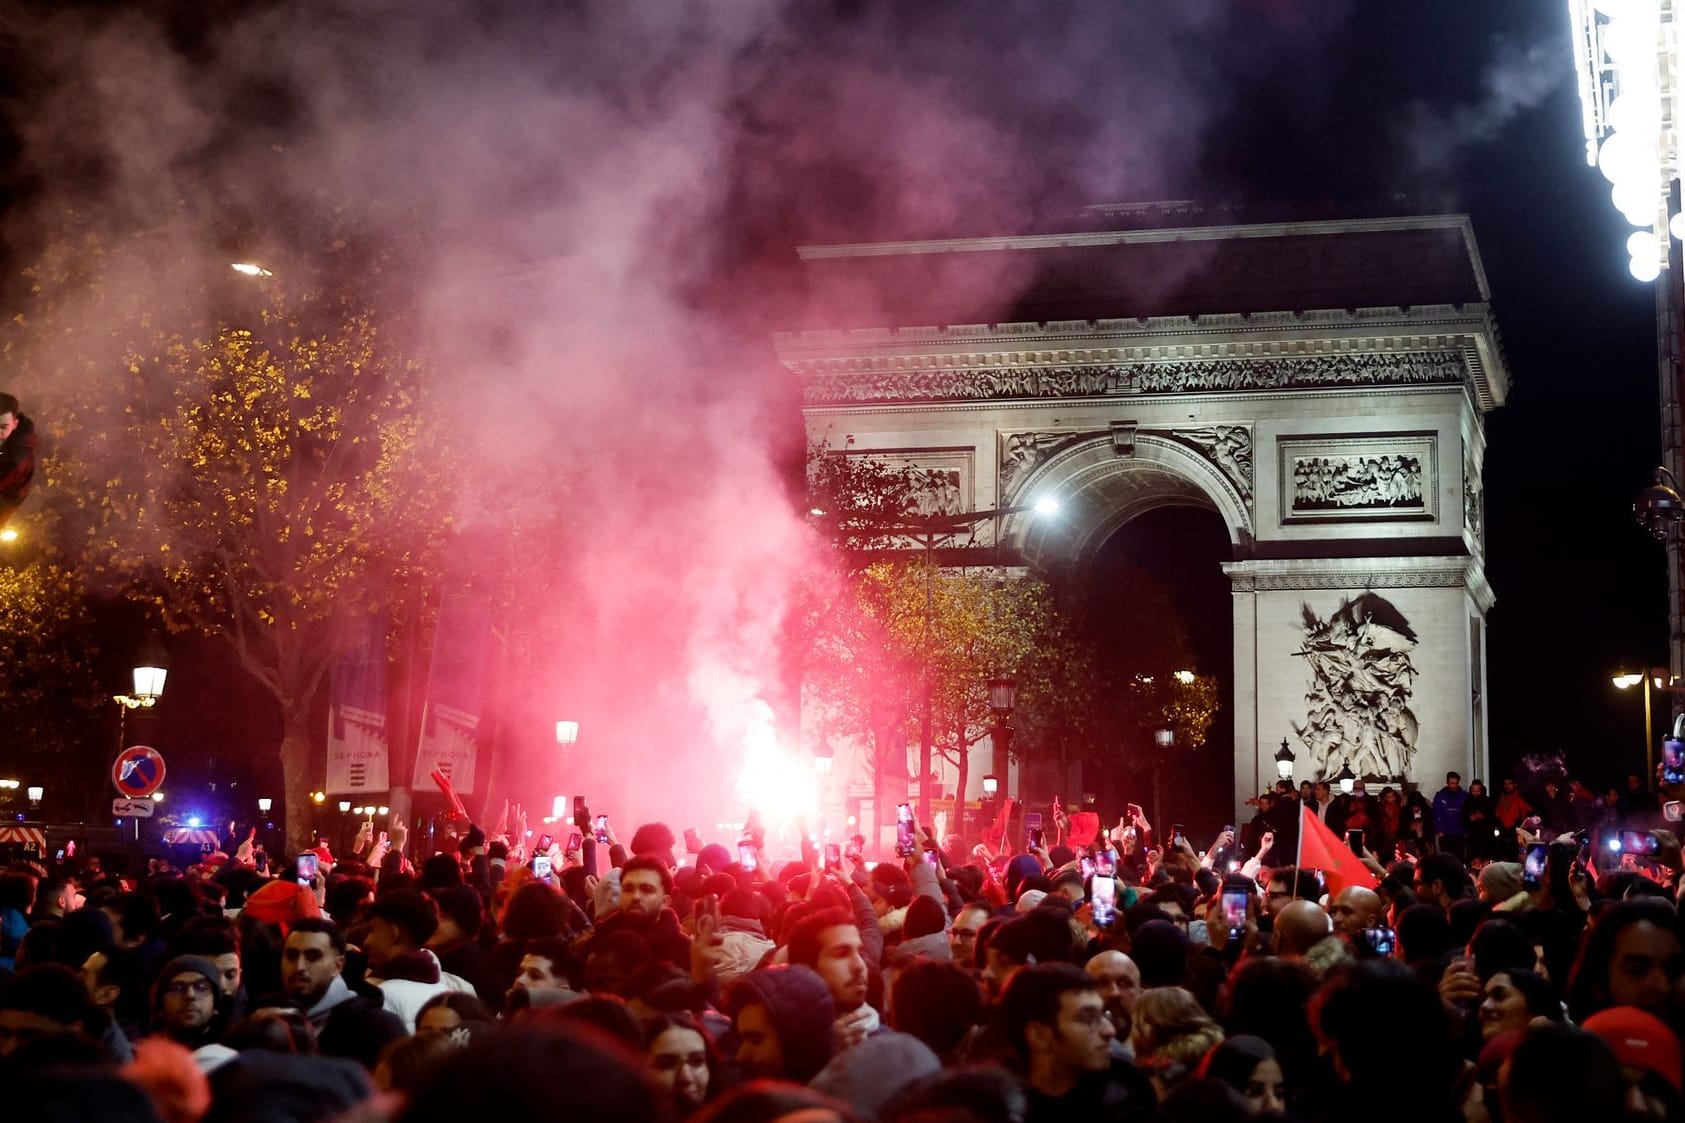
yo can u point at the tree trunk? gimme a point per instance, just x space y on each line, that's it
296 773
962 777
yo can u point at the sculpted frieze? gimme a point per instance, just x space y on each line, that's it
831 382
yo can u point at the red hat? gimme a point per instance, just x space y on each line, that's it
1640 1040
282 902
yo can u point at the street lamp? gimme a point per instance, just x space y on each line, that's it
36 792
151 668
264 804
1346 780
991 786
567 732
1003 698
344 806
1284 761
823 758
1660 679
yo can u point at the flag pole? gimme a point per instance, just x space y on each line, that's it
1299 849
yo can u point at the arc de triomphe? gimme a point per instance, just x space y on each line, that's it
1319 385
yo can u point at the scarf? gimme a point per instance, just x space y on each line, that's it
851 1029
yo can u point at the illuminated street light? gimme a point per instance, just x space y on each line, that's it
384 810
1186 678
10 785
1284 761
823 758
991 786
250 269
1346 780
1658 679
265 804
157 797
36 792
318 797
10 534
344 806
567 732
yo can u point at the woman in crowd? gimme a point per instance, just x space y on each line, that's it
683 1061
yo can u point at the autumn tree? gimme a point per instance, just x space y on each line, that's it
258 466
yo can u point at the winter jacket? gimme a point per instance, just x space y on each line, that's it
353 1024
407 982
743 945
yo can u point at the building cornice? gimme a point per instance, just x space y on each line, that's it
1344 574
900 364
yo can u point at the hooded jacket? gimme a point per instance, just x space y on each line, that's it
799 1005
665 936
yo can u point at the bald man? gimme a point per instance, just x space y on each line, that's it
1354 910
1300 927
1120 985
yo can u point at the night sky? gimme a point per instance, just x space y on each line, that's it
857 120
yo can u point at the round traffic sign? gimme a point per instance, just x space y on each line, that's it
138 771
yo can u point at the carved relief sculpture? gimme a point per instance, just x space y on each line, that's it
1227 446
1357 709
828 381
1360 483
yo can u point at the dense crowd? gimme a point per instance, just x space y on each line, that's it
1515 958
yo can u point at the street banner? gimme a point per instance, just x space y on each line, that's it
359 752
451 714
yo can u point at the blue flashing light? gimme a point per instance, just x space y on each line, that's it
1615 844
195 822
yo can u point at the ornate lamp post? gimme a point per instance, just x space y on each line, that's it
1284 761
1346 780
1003 697
151 668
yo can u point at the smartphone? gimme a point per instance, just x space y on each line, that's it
1673 810
1673 761
575 841
1381 941
305 868
906 837
1105 863
541 867
1354 840
1102 901
578 806
1087 867
544 843
1638 842
1235 903
746 855
1533 865
833 856
602 828
693 841
852 850
1176 835
1032 829
932 858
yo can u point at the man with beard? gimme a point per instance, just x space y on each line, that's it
1059 1029
188 1008
1119 983
349 1023
646 896
829 942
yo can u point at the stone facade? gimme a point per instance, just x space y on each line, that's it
1341 446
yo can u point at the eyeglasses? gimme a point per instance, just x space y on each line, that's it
197 988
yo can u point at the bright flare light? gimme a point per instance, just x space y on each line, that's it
779 783
1047 505
250 269
10 534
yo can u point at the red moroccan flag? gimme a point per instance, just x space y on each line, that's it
1320 849
1085 828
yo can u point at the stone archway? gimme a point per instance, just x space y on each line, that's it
1322 386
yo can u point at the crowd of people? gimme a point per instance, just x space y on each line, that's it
1072 973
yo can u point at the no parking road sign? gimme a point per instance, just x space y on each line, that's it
138 771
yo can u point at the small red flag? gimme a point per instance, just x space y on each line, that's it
1321 849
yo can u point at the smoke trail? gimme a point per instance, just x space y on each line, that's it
1519 78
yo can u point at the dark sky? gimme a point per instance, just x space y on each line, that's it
860 120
